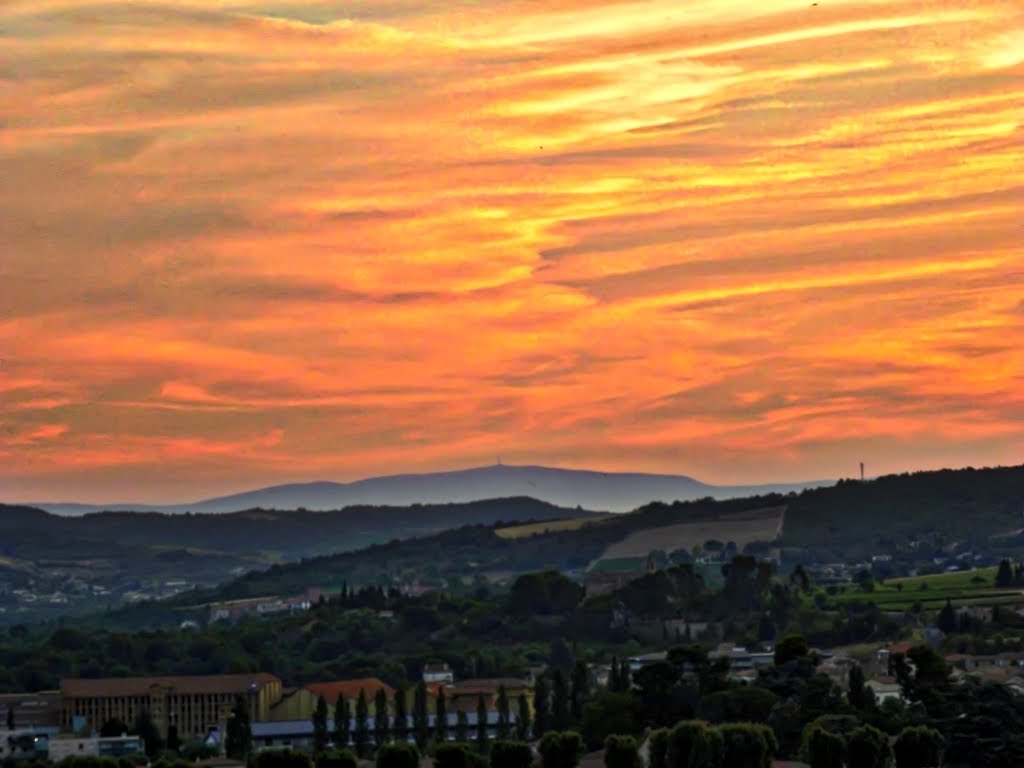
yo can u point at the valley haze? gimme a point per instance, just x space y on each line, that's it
605 491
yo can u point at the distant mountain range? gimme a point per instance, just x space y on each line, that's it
606 491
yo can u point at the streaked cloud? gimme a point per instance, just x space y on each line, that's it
244 242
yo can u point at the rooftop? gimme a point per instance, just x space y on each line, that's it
142 686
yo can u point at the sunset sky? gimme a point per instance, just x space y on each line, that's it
245 242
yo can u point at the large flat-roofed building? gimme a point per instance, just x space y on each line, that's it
193 704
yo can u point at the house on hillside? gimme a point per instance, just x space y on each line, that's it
438 672
464 696
299 704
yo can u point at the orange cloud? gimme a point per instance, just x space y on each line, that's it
243 244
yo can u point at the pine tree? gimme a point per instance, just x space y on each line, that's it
504 713
320 733
523 719
361 733
541 708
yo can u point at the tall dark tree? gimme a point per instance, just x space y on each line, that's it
541 707
146 729
441 718
946 620
561 655
613 675
361 731
1004 575
560 716
400 729
173 740
523 719
625 676
580 690
320 732
860 696
481 725
381 721
238 743
10 718
461 727
420 716
791 647
504 714
342 721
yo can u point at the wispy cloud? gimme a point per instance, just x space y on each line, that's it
279 240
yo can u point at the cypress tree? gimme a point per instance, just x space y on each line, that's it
381 722
320 733
238 744
1004 576
420 718
400 728
481 724
541 708
461 727
523 719
580 690
559 701
860 697
613 675
361 734
441 718
504 713
342 716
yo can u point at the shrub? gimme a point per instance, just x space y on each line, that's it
657 749
825 749
560 749
511 754
456 755
336 758
867 747
621 752
398 756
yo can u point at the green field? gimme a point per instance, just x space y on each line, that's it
975 587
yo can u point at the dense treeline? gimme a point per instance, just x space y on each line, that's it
376 631
853 520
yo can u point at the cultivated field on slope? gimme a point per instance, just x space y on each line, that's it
545 526
976 587
763 524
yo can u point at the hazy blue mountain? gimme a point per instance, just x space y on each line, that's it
607 491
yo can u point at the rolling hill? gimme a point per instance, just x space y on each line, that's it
607 491
52 565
